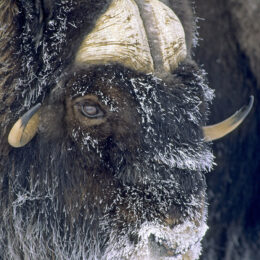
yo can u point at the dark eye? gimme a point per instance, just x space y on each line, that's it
91 110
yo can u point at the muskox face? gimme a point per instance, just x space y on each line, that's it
113 160
111 164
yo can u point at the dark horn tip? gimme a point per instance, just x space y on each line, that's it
251 102
248 107
243 112
27 116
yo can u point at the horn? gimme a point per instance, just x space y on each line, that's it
119 36
136 34
165 34
25 128
223 128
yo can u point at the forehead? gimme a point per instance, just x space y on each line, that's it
101 81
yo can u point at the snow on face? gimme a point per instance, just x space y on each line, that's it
56 209
100 198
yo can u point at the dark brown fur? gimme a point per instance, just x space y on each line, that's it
85 182
9 66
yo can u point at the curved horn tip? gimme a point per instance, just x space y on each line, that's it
25 128
214 132
251 102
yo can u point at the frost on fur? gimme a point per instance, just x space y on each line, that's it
127 185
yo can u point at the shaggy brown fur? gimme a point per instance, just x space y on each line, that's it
85 188
9 66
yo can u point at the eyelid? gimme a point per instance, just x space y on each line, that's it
87 101
83 103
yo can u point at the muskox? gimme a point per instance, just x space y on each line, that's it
104 147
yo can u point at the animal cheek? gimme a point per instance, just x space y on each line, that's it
52 125
127 133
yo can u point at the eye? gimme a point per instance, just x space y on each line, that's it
91 110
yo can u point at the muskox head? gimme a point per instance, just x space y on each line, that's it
111 162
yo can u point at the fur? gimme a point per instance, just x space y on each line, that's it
134 182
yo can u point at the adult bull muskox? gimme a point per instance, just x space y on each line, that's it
104 109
